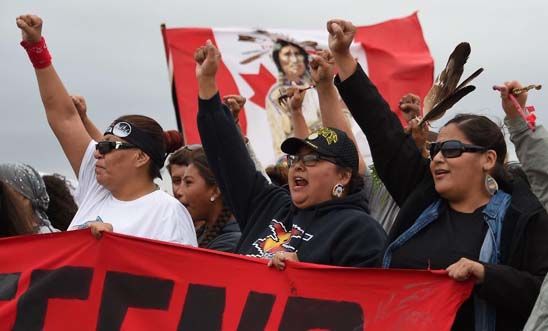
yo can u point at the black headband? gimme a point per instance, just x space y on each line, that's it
134 135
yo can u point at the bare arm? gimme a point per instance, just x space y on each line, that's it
81 107
60 111
296 97
330 105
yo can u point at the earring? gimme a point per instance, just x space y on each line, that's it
212 199
338 190
491 184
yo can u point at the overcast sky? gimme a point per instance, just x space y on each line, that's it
112 53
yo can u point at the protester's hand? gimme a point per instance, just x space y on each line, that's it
419 134
278 260
235 103
80 104
296 95
97 228
341 35
410 105
31 27
507 104
207 61
464 268
321 67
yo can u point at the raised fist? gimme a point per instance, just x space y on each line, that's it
321 67
80 104
410 105
31 27
207 61
507 104
341 35
235 103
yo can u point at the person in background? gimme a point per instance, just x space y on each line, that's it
322 219
198 191
277 173
116 175
62 207
458 210
532 151
531 146
177 163
23 201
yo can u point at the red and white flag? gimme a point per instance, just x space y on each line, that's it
259 64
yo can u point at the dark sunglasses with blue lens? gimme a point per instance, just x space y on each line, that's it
453 148
105 147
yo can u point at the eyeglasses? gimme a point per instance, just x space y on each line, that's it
453 148
105 147
309 160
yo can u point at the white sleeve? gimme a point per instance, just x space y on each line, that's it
87 182
178 227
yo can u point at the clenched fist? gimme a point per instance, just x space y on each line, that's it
31 27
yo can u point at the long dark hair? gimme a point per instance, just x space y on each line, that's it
61 207
280 43
199 160
15 218
482 131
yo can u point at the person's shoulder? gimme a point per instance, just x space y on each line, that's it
165 201
358 219
163 197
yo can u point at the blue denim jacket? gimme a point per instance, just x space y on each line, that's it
493 215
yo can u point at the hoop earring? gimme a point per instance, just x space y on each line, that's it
337 191
491 185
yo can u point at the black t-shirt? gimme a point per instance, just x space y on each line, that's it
442 243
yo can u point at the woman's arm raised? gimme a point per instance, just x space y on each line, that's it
60 111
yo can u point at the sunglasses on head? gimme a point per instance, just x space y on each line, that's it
309 160
453 148
105 147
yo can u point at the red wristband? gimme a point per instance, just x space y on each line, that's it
38 53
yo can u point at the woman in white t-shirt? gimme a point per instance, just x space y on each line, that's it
116 189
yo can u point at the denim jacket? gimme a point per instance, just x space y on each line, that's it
493 215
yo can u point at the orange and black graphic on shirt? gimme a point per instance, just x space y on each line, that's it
279 239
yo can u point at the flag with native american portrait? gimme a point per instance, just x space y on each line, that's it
260 64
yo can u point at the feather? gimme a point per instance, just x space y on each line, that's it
244 37
253 57
448 79
470 78
439 110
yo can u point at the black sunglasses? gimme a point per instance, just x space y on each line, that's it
105 147
453 148
309 160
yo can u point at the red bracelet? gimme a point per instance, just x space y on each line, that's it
38 53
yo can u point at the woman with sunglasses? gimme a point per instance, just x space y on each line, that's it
116 189
322 219
452 214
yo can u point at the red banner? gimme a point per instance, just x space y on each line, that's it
71 281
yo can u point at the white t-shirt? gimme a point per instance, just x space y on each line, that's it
156 215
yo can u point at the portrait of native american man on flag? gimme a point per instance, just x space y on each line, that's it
291 58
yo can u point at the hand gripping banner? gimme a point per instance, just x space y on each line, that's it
72 281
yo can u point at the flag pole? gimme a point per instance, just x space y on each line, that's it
172 81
